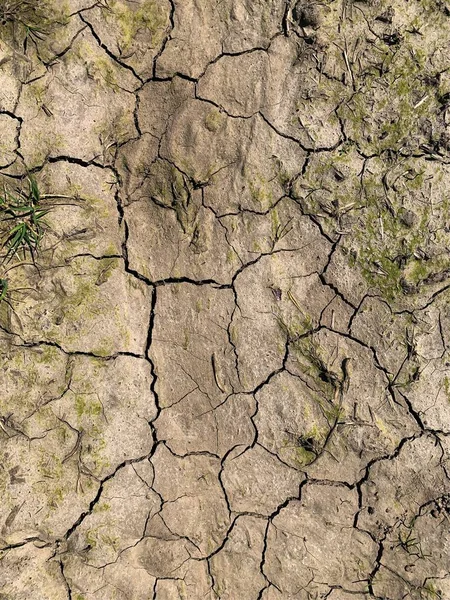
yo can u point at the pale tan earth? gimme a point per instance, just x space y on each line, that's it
228 376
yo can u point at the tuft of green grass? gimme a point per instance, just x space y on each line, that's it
30 15
22 228
22 223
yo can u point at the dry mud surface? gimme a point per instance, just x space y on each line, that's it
228 375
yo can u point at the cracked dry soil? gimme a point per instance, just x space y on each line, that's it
229 375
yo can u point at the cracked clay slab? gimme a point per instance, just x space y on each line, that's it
224 351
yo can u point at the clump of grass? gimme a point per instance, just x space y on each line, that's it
22 228
22 221
31 16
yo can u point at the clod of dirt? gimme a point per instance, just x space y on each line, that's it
306 16
392 39
407 287
408 219
386 16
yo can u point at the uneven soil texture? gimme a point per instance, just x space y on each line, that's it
225 354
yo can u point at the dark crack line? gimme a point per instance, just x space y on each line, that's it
108 51
37 344
98 495
166 40
66 583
